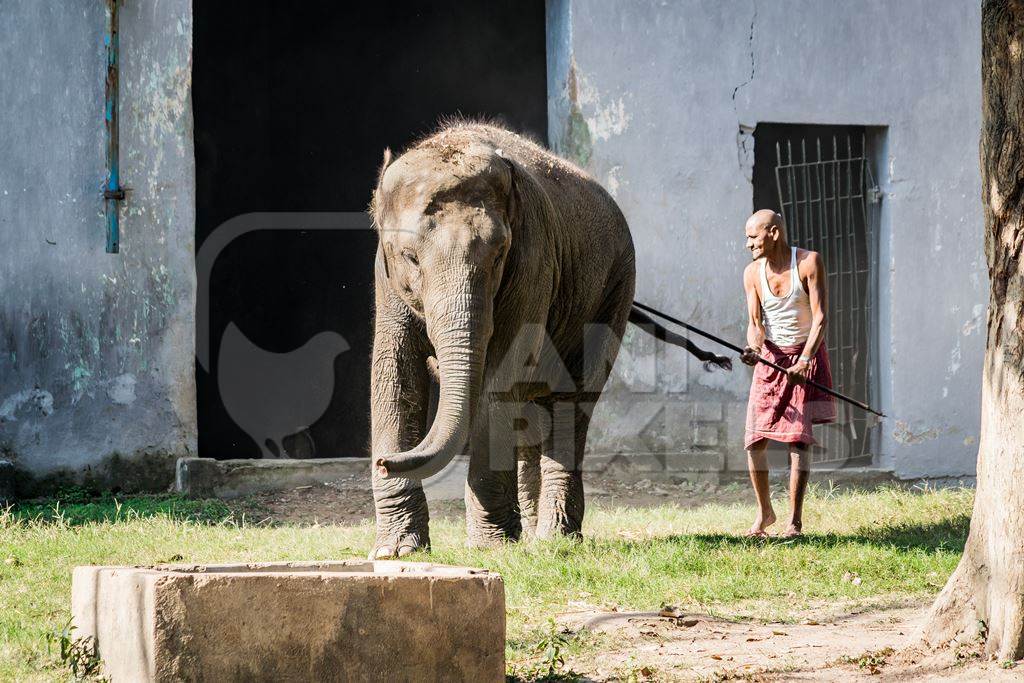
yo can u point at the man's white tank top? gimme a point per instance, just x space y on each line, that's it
786 319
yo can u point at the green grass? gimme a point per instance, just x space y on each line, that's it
902 544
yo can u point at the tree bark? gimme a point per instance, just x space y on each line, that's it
983 602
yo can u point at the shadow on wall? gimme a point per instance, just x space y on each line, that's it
139 473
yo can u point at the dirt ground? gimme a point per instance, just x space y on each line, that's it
349 501
673 645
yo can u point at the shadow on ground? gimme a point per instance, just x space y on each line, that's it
76 510
949 534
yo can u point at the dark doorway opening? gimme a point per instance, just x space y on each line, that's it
293 106
820 179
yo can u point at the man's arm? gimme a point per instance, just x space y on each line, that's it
755 326
817 290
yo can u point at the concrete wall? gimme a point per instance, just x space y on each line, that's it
96 350
657 99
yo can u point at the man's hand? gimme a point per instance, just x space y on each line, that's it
799 371
750 355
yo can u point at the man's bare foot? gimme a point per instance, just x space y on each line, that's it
761 524
794 530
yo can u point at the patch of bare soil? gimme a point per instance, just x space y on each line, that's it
346 501
679 646
350 500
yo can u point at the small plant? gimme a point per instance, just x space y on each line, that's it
971 649
550 647
74 494
635 672
551 666
870 661
80 655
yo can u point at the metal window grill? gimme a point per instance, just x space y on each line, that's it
828 202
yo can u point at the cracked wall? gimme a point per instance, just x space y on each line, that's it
658 101
96 349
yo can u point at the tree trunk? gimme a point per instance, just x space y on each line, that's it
984 599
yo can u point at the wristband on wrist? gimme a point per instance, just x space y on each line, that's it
805 359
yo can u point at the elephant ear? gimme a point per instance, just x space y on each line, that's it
376 210
384 166
386 257
512 202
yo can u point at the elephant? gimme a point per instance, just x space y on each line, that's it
506 275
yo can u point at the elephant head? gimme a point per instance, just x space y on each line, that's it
444 217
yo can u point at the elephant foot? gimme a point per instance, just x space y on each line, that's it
566 530
529 528
399 545
561 506
492 536
484 543
558 524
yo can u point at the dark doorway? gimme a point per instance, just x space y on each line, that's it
293 105
820 179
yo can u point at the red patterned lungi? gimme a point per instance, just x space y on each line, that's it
781 410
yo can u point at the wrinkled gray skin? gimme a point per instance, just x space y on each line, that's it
498 264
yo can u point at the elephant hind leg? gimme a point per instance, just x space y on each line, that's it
528 488
492 514
492 511
561 507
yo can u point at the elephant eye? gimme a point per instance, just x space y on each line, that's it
410 257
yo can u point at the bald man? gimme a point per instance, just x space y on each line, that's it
787 297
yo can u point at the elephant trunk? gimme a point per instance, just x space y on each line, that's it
459 324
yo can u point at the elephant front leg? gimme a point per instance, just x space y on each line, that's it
492 510
403 522
399 393
561 505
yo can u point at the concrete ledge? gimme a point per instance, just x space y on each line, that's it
311 621
6 482
209 478
206 477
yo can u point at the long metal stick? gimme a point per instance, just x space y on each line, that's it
719 340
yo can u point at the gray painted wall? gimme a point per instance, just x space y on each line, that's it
96 350
650 97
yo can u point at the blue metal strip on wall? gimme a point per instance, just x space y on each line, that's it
113 193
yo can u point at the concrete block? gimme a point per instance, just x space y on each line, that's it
597 462
329 621
634 465
206 477
696 461
707 411
449 483
705 435
209 478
